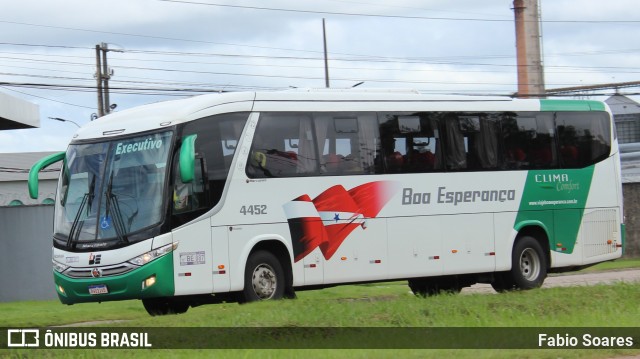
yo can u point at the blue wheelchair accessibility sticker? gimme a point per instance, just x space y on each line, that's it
105 222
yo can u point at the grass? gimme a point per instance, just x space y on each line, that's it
618 264
368 305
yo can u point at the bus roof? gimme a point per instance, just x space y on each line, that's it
167 113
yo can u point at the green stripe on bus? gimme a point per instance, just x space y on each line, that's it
556 200
571 105
121 287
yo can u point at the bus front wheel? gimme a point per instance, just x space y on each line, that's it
263 278
164 306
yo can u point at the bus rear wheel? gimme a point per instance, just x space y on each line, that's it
528 267
164 306
263 278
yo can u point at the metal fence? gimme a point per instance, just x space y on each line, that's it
25 253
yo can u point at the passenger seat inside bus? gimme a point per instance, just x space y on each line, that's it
274 163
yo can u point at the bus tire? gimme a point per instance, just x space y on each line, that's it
164 306
263 278
502 282
529 265
423 287
419 287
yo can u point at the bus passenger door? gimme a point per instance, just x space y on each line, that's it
192 259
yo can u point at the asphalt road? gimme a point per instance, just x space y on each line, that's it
574 279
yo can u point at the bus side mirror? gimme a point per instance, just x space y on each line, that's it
188 158
39 166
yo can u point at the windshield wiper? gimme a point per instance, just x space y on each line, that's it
74 232
114 205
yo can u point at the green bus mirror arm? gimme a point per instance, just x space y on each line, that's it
39 166
188 158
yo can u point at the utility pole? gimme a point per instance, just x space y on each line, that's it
103 74
530 69
326 60
105 77
98 77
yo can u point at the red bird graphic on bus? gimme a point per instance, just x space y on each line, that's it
328 219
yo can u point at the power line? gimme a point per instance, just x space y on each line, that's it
147 36
298 77
185 89
413 17
46 98
407 7
181 92
48 46
192 85
205 90
45 76
447 60
415 61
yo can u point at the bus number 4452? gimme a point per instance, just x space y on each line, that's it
255 209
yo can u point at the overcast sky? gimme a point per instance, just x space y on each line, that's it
173 49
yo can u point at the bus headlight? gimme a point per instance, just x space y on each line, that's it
156 253
59 267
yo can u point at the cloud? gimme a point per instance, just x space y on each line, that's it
244 48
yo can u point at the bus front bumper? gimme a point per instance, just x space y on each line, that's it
154 279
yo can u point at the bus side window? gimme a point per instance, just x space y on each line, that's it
283 146
583 140
347 142
390 157
514 140
481 132
456 143
529 141
218 138
544 152
409 143
393 153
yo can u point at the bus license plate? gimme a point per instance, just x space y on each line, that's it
98 289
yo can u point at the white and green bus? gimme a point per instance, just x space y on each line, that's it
252 196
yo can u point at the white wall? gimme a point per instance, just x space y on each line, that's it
10 190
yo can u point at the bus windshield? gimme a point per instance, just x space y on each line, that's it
111 190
